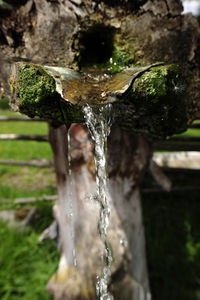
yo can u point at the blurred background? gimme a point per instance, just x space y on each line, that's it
28 192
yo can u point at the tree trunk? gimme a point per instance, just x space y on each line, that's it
81 247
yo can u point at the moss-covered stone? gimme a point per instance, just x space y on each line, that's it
37 93
158 82
38 97
35 84
152 103
159 97
119 61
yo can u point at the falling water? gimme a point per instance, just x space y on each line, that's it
99 123
70 208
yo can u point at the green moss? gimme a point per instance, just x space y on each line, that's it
154 82
159 95
37 93
71 113
119 61
35 84
155 105
157 83
38 97
116 63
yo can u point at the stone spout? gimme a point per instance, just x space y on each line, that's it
149 100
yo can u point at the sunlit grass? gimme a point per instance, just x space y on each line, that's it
24 150
26 265
193 132
16 181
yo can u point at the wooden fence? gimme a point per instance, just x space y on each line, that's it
171 144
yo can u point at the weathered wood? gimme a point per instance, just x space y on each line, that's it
24 119
186 139
197 126
30 199
184 160
174 189
41 163
22 137
34 199
50 232
160 177
172 146
127 213
18 218
181 170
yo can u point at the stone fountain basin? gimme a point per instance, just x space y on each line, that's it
145 99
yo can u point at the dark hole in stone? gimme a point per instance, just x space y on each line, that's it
128 4
96 45
3 40
16 2
17 38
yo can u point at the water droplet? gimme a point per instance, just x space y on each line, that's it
124 242
107 296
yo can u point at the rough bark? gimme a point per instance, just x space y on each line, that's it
126 233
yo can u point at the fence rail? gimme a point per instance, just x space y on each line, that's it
41 163
172 144
21 137
24 119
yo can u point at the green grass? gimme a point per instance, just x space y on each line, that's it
171 222
4 103
193 132
26 265
24 150
24 127
21 150
18 181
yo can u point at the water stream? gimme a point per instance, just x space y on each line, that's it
99 122
70 208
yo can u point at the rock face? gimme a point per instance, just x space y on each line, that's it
111 34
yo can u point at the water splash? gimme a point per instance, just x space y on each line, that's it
99 122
